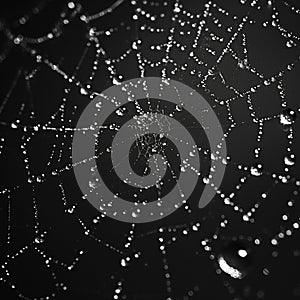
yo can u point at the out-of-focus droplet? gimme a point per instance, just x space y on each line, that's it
235 259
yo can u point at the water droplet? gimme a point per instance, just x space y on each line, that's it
83 18
288 117
192 154
136 44
38 58
99 104
242 253
289 160
18 40
120 112
71 210
123 262
71 5
266 271
92 184
241 65
256 170
116 81
179 107
39 240
205 180
290 43
83 91
134 214
235 259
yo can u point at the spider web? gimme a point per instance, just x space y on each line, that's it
243 57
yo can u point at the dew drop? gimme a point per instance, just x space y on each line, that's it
235 259
134 214
179 107
288 117
289 160
266 271
99 104
39 240
242 253
83 91
123 262
71 5
256 170
136 44
191 153
116 81
38 58
120 112
18 40
289 43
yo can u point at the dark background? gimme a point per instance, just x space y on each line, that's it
271 272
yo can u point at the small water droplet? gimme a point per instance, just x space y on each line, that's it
123 262
180 107
18 40
290 43
134 214
116 81
39 240
71 5
99 104
192 154
289 160
83 91
38 58
92 184
120 112
256 170
288 117
235 259
136 44
266 271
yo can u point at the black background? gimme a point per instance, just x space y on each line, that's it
96 274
